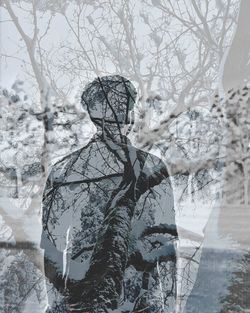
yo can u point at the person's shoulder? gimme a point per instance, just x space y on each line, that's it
64 164
153 160
154 164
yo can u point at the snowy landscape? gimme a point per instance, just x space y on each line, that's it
169 159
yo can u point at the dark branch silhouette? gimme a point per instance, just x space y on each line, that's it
108 211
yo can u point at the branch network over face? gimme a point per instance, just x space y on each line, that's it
109 101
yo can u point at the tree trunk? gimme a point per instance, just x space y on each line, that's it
101 288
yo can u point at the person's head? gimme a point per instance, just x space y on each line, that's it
108 100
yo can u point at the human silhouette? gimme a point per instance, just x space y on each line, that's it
109 231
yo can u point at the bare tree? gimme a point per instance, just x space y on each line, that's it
171 51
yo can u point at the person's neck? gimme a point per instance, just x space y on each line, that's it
112 134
